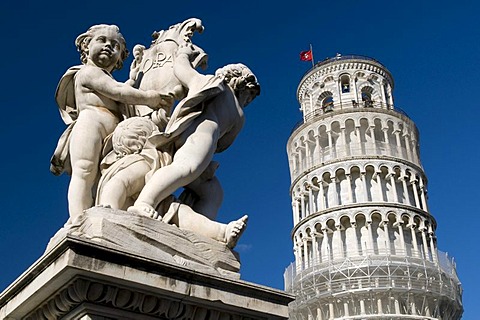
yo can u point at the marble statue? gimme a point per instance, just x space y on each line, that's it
205 122
95 100
129 147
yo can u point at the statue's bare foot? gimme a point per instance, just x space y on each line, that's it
234 230
144 209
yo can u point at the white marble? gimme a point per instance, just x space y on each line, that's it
129 141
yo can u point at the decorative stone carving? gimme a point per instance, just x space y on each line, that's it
85 291
154 150
151 238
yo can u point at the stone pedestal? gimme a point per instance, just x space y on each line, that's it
97 270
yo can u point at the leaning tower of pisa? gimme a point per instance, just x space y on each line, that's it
363 237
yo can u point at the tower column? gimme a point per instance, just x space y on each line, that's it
403 178
295 211
413 182
423 195
318 150
349 188
385 137
315 248
399 225
372 143
406 136
386 231
325 246
365 186
321 196
302 202
344 140
414 239
308 159
306 256
330 144
425 243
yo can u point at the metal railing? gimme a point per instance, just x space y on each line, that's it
419 274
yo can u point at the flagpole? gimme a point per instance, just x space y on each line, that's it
313 60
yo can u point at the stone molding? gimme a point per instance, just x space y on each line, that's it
82 291
81 278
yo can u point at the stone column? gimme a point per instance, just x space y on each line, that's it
384 102
310 199
396 132
344 140
319 314
302 202
425 243
371 245
379 306
391 176
330 143
399 225
414 239
295 211
336 195
365 186
423 195
414 147
318 150
331 310
315 248
321 196
407 146
345 308
359 140
349 186
325 246
403 178
373 144
308 161
337 241
387 143
294 161
298 257
354 241
379 183
433 249
413 182
386 232
306 256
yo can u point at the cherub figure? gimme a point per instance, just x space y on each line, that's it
135 161
205 122
91 101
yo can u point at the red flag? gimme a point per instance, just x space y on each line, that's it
306 55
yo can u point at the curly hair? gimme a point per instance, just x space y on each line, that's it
84 39
239 77
131 135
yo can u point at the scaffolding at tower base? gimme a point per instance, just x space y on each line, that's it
376 286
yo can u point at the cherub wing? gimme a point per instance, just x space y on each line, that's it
65 95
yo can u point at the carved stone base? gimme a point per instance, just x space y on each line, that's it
85 278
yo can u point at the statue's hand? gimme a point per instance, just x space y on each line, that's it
138 52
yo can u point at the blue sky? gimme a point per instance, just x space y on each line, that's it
432 49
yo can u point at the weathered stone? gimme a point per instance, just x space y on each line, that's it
151 238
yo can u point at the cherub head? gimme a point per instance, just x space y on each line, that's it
108 48
242 80
131 135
